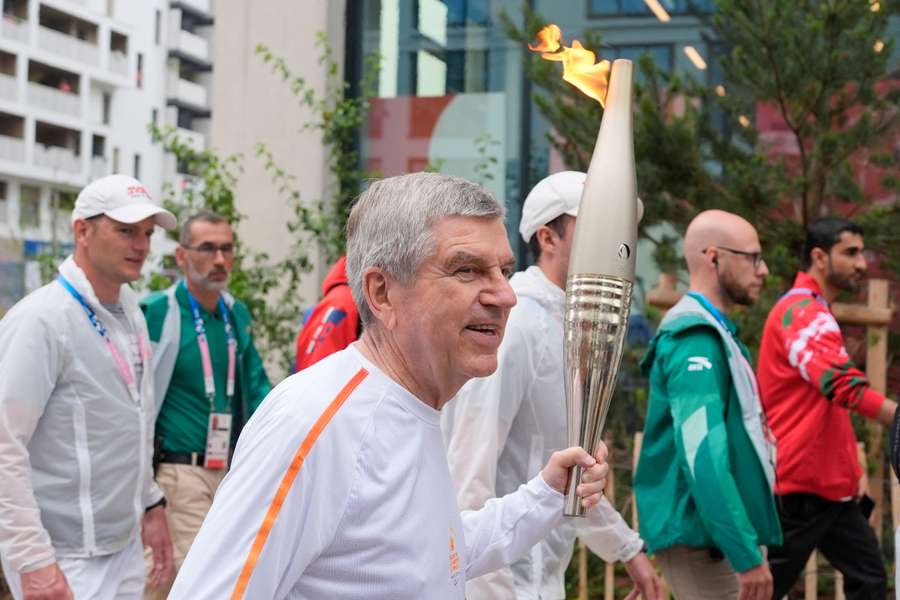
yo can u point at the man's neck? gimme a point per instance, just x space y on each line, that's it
714 295
828 291
384 353
107 292
556 278
208 299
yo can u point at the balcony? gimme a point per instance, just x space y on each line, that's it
118 63
190 46
14 28
194 139
99 167
56 158
51 99
9 88
188 93
12 148
200 7
69 46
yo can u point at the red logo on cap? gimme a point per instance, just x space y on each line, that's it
137 190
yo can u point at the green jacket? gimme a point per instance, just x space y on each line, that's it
164 328
694 418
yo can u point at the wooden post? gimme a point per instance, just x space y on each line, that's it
811 579
582 572
609 574
638 443
876 371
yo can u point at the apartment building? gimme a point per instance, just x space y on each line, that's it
80 82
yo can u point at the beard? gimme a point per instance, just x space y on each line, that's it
205 282
734 291
845 282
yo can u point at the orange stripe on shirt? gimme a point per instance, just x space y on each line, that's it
288 480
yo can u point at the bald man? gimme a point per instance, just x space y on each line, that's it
706 471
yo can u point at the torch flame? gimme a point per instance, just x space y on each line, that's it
579 64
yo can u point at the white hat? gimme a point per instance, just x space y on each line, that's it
121 198
558 194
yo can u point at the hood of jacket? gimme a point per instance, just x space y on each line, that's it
533 284
336 276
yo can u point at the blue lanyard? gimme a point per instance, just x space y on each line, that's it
209 382
121 363
715 312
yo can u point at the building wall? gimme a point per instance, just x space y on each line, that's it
256 106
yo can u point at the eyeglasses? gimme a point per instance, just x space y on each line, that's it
210 249
755 257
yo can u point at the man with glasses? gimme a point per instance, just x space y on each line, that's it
208 375
704 483
809 386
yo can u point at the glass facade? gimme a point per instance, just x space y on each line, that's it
452 94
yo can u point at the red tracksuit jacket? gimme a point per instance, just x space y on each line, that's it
334 322
809 385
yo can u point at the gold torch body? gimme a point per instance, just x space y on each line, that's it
601 275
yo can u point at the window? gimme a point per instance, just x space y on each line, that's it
115 160
157 27
3 202
29 207
662 54
137 166
139 73
107 105
639 8
154 117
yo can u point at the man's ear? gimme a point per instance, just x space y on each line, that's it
80 228
378 288
546 238
180 258
818 258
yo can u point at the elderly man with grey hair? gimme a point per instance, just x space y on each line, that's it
339 486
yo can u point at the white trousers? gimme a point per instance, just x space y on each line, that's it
118 576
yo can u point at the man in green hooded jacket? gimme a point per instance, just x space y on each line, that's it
706 471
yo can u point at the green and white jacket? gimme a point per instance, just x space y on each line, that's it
705 474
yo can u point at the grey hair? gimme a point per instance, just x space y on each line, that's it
390 224
185 236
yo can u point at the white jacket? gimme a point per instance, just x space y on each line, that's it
501 430
75 447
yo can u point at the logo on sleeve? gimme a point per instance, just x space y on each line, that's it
698 363
455 567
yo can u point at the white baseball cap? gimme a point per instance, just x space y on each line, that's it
121 198
558 194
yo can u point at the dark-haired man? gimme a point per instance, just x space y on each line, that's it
208 376
809 385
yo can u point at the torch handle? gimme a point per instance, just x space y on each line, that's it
572 506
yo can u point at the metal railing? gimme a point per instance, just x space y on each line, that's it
55 157
12 148
118 63
9 89
49 98
14 28
67 45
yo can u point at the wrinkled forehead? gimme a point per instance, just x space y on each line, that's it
457 237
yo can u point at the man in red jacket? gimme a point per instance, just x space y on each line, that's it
333 323
809 385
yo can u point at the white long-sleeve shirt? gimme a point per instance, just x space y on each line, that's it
340 489
501 430
75 446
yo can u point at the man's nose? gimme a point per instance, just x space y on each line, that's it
500 293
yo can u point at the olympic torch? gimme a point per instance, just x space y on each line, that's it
601 269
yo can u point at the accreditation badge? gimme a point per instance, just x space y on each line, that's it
218 441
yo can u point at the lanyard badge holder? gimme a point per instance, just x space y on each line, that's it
121 364
218 432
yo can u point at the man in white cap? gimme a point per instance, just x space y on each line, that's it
76 414
501 429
